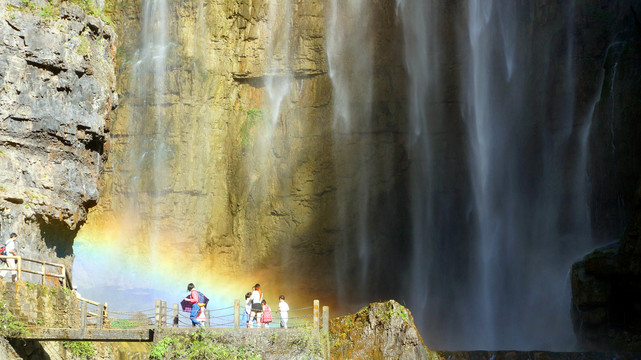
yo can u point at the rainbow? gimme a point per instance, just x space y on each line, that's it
109 267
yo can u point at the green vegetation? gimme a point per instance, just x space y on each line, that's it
253 116
309 340
51 10
84 47
48 12
160 349
89 6
28 5
34 196
82 349
201 345
9 325
402 312
136 321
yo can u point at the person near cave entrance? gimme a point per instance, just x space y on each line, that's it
5 264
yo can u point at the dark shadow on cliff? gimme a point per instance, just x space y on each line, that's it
29 349
57 236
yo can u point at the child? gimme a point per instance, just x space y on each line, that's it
248 307
267 315
202 318
283 309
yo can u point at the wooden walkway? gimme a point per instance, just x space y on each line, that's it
101 335
101 324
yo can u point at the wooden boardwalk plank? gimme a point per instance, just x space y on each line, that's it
103 335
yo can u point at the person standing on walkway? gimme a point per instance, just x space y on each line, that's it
267 315
7 264
283 309
193 299
248 308
256 300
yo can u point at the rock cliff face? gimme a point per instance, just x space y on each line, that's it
209 162
57 88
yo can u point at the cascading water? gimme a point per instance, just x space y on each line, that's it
278 84
526 208
529 186
421 60
148 150
279 78
350 63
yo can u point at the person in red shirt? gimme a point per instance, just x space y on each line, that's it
193 299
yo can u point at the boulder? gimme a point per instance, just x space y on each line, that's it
383 330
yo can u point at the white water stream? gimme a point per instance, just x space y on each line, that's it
350 62
148 150
505 285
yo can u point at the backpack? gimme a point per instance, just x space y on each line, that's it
3 252
202 300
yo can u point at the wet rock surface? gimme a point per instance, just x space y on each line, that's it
606 288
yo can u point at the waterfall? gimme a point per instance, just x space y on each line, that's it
269 167
350 63
159 176
524 208
421 59
148 151
278 74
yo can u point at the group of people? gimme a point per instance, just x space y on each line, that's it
256 309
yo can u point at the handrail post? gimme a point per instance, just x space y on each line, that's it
105 312
325 318
316 306
325 332
157 307
64 277
175 321
164 313
67 279
236 314
101 309
83 315
44 273
19 262
207 318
